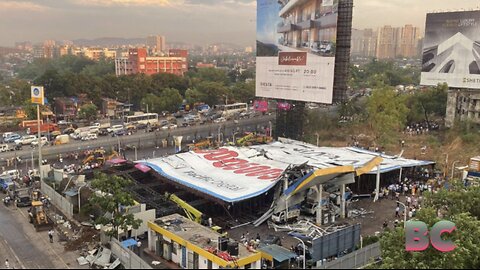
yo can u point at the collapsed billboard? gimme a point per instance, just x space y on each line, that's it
451 49
296 46
228 173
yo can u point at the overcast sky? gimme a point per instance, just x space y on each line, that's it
193 21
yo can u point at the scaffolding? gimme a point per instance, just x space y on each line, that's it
342 57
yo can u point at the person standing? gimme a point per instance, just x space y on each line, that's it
139 247
50 235
409 201
7 264
397 212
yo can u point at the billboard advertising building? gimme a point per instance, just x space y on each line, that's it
451 54
296 47
451 51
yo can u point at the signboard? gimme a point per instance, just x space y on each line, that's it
37 95
296 46
451 52
230 174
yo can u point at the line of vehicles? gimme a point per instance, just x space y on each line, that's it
63 132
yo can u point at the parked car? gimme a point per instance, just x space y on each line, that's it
170 126
220 120
44 141
102 132
119 132
23 201
12 138
142 126
28 139
90 136
68 131
115 128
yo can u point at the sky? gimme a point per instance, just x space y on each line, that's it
192 21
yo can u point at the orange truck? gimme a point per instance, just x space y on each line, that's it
44 128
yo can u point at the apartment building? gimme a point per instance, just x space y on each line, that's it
309 25
156 44
364 43
138 61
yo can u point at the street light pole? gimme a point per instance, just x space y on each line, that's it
404 214
135 147
303 243
318 138
453 168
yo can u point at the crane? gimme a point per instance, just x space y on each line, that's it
191 212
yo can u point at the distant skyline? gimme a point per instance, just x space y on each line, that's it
191 21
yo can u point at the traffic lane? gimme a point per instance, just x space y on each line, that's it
14 232
253 123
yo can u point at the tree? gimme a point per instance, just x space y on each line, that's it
244 92
213 93
429 103
387 113
193 96
170 99
88 112
459 205
113 201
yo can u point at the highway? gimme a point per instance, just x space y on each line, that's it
143 140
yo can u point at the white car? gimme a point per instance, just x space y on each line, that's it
4 148
220 120
114 128
89 137
44 142
171 126
26 140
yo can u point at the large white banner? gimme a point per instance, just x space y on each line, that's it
451 49
296 46
228 173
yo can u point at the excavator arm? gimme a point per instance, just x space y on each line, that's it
191 212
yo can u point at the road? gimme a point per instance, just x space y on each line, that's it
26 248
144 140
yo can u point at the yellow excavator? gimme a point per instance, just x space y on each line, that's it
100 157
204 144
253 138
191 212
38 217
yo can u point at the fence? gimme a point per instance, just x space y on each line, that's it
60 202
354 260
128 258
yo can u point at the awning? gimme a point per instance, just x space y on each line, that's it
116 161
142 168
278 253
129 242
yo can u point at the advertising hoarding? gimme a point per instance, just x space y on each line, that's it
296 46
451 49
37 95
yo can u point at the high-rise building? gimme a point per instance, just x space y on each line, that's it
156 44
409 42
364 43
138 61
387 42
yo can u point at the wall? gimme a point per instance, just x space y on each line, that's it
128 258
58 200
356 259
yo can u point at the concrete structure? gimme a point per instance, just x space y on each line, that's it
112 108
307 22
462 105
387 42
138 61
185 243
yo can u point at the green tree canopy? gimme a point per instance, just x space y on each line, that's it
459 205
387 113
88 112
244 92
114 199
213 93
